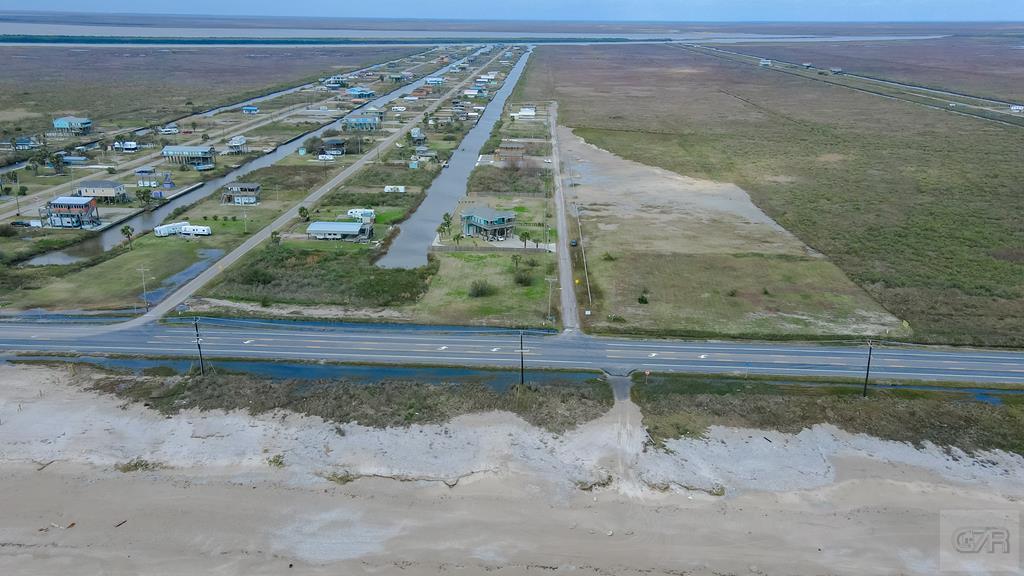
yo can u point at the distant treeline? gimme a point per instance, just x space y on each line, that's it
62 39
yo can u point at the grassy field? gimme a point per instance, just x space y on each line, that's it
981 65
684 405
513 301
918 207
140 85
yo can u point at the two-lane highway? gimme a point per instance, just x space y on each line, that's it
225 338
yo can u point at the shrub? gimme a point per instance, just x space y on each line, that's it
7 231
215 217
111 170
481 288
523 278
276 461
607 257
642 299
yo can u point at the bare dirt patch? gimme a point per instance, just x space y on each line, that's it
703 256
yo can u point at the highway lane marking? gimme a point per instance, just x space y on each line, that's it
319 335
247 353
836 362
951 356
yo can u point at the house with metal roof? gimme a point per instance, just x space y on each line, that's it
351 231
361 122
241 193
71 212
72 125
360 92
106 190
238 145
491 224
190 155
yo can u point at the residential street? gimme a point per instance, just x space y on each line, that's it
570 310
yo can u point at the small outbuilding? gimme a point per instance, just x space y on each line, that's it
350 231
510 151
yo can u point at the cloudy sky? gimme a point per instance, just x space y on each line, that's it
680 10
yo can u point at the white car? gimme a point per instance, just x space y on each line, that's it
547 161
325 157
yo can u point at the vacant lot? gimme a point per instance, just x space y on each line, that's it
991 66
129 86
518 293
685 405
919 207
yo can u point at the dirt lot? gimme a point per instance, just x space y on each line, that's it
916 206
706 258
114 487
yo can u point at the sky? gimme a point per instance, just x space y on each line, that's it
665 10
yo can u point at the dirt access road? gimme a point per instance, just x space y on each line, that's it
566 288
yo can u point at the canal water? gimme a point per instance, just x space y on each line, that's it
409 249
146 221
499 380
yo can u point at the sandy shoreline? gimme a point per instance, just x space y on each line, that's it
821 501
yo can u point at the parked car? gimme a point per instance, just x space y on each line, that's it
20 224
573 243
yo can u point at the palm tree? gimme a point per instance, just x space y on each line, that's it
440 230
304 213
515 260
127 231
447 221
524 236
458 237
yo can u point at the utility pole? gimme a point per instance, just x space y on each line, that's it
551 283
522 361
199 345
867 371
245 221
142 271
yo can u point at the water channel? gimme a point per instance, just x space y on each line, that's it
146 221
409 250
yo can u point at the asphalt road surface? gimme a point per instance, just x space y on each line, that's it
371 343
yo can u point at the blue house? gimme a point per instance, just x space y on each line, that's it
360 92
26 143
361 122
250 109
72 125
201 157
488 222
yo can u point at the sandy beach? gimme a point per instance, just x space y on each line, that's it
482 493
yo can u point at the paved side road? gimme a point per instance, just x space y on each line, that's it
228 338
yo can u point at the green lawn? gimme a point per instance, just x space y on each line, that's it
448 300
